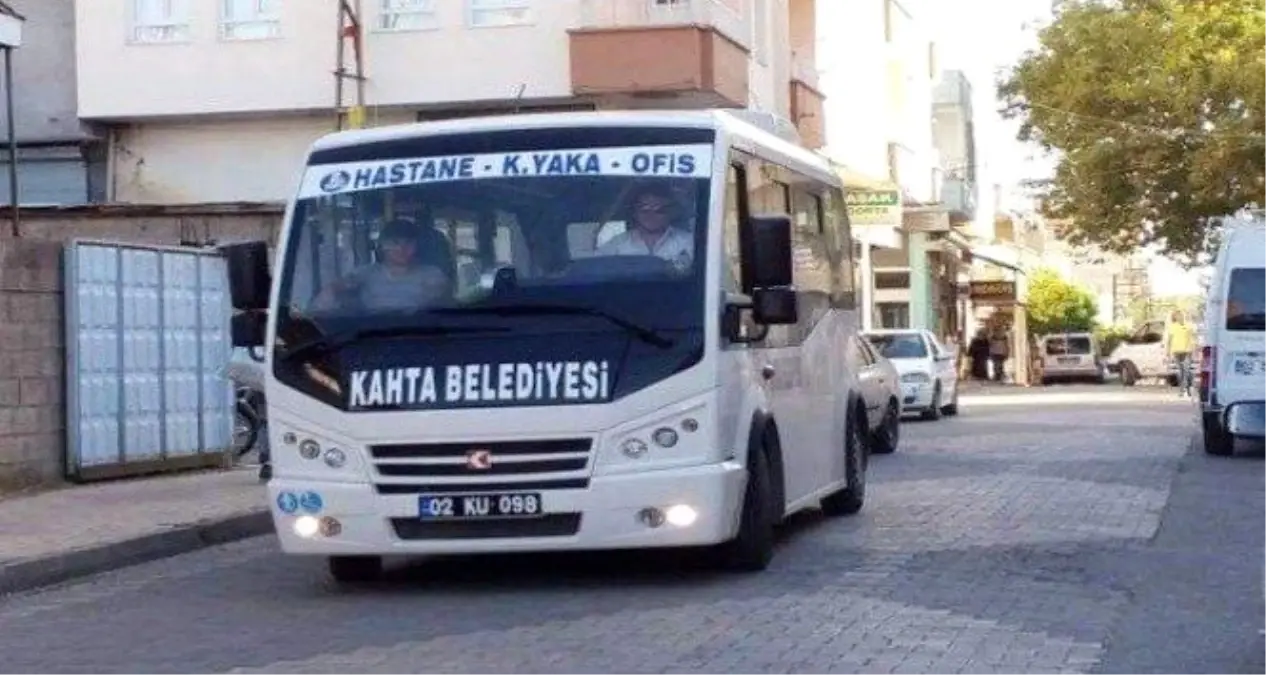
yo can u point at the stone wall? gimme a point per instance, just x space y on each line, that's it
32 332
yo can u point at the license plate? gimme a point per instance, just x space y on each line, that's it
1249 364
1068 360
495 505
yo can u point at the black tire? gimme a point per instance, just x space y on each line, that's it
852 497
1217 441
933 412
1129 374
753 548
952 408
355 569
888 435
245 416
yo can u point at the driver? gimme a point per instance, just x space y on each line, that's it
651 231
396 281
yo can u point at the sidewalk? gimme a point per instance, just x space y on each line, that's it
54 536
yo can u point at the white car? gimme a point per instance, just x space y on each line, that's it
929 372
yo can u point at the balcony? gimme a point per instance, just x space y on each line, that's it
959 198
690 53
807 100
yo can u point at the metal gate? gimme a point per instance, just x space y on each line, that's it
147 335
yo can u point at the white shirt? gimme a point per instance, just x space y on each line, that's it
674 245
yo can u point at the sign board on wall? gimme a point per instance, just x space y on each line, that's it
873 207
992 291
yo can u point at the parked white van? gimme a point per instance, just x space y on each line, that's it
1232 385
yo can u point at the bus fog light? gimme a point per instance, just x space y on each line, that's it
633 448
335 458
690 425
681 515
307 526
309 449
330 527
650 517
664 437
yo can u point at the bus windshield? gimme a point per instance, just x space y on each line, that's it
586 231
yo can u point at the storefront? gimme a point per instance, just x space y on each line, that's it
994 305
874 211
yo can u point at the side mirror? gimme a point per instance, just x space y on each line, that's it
769 239
775 306
248 329
249 280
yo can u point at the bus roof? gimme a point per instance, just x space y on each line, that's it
717 119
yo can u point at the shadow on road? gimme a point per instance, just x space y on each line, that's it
583 569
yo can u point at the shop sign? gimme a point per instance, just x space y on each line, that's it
873 207
992 291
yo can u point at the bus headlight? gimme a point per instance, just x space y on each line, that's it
335 458
633 448
309 449
664 437
676 435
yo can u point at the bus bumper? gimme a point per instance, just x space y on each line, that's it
615 512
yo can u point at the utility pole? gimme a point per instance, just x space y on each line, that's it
351 30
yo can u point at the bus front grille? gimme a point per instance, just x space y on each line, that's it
500 465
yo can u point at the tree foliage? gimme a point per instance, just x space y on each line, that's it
1055 305
1154 109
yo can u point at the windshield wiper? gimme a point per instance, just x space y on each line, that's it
643 333
326 344
1247 321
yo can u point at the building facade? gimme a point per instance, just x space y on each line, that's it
217 100
879 64
61 161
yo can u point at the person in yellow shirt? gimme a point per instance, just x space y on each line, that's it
1180 342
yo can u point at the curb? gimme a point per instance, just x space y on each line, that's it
27 575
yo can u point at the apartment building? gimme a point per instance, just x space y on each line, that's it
879 65
61 161
217 100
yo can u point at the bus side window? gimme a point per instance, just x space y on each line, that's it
733 253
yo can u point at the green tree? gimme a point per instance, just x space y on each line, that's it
1154 110
1056 305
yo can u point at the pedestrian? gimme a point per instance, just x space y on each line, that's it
999 351
1180 342
978 353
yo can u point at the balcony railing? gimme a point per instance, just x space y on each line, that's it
959 195
726 16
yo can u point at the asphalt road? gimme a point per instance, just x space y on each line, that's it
1014 538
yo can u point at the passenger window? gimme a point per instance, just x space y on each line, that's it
812 268
733 254
1246 299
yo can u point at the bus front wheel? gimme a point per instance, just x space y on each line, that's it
753 548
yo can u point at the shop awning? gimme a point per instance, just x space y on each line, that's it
958 241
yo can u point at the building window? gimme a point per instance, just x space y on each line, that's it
894 314
406 15
892 280
160 21
492 13
250 20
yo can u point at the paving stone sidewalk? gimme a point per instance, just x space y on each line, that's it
60 534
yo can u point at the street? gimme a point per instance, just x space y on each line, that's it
1017 537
